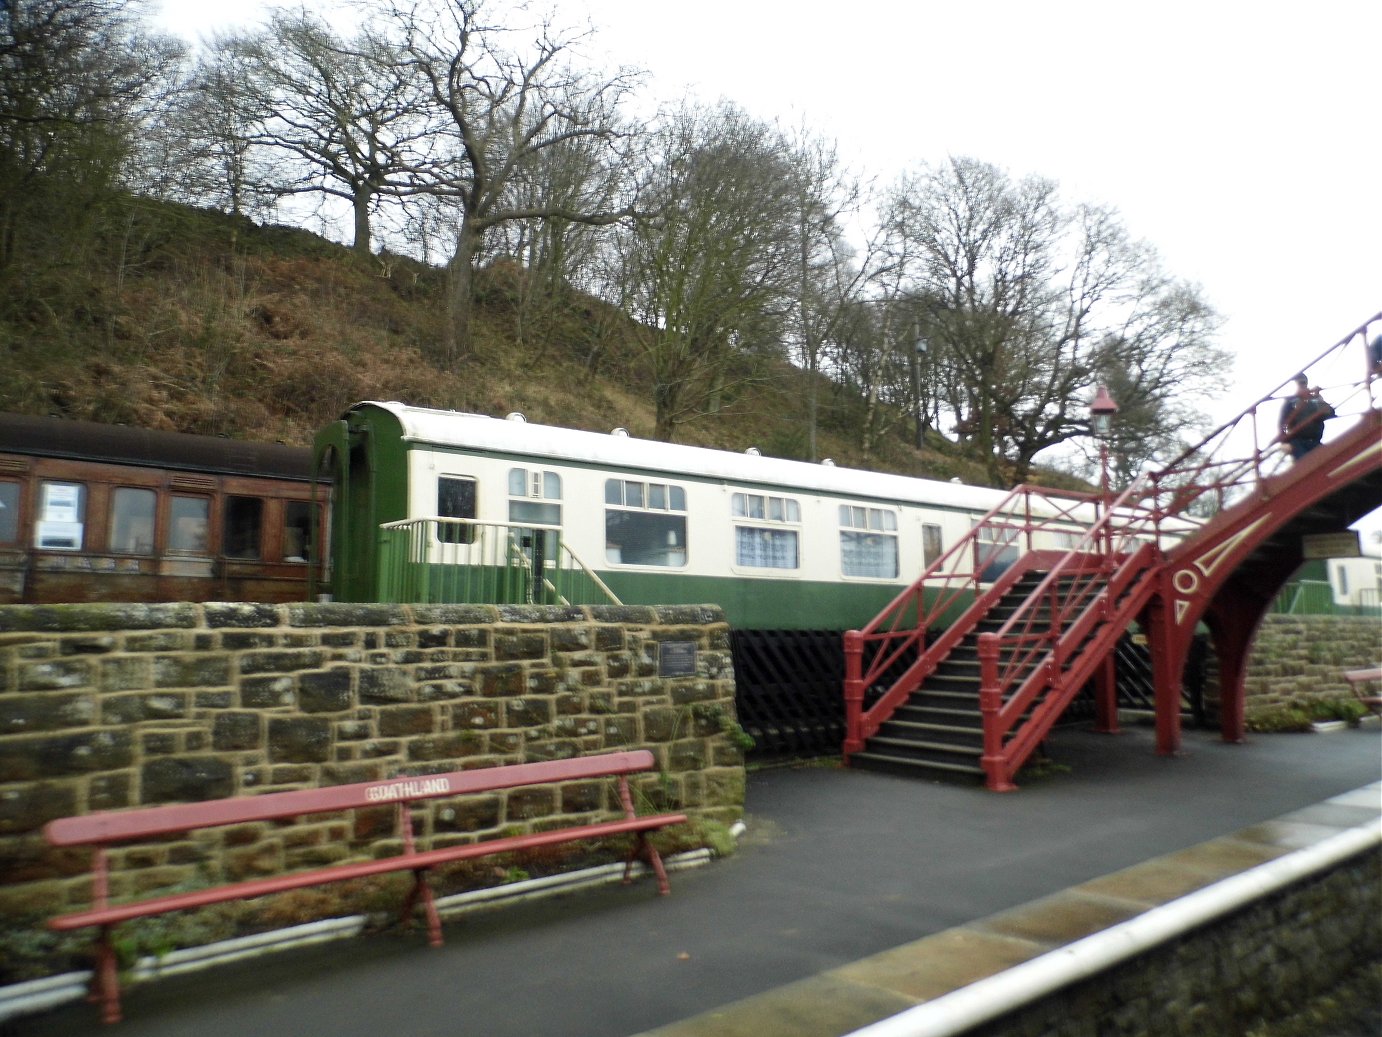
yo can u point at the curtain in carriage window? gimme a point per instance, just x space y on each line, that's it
868 542
769 538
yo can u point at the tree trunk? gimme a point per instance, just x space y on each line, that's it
360 203
461 270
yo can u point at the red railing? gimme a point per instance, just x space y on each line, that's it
952 581
1039 658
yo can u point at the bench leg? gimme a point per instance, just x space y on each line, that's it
644 850
422 891
105 979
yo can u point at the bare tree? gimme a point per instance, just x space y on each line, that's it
346 117
707 270
202 149
1023 299
827 275
506 110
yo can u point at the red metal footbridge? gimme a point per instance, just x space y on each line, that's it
1209 539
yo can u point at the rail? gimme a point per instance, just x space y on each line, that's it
446 560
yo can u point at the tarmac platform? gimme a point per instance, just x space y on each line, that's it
840 879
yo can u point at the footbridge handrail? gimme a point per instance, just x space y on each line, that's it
1099 583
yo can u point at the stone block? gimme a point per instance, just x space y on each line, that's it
454 745
528 712
50 757
541 614
131 709
500 681
619 732
109 791
158 641
299 739
662 724
102 644
569 638
527 803
126 673
158 743
55 675
268 692
525 645
94 617
434 637
283 661
686 755
455 615
582 797
248 640
30 808
325 691
22 714
241 614
475 715
345 614
186 779
237 731
397 721
471 814
381 685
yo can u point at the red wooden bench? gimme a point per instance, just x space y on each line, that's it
121 826
1359 679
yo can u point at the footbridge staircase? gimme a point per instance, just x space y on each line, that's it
967 670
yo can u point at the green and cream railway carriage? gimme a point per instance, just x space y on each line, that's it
435 505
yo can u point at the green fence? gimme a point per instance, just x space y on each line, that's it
441 560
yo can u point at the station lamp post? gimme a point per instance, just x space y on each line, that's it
1101 413
919 355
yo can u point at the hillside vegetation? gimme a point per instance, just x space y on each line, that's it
196 321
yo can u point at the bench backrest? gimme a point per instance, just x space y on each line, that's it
113 826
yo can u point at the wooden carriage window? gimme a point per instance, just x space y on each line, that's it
189 521
243 527
9 512
132 512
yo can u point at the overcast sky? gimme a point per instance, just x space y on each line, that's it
1243 141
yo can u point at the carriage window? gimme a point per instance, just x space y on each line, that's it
189 522
998 551
132 521
769 542
455 500
61 516
298 516
868 542
530 494
645 523
931 545
244 522
9 512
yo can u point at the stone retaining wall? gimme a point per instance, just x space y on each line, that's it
108 706
1297 660
1264 962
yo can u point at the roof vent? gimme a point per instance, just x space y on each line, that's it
828 462
516 415
621 431
753 451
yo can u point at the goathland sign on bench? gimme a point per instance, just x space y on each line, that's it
123 826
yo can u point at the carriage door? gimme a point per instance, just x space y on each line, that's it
535 501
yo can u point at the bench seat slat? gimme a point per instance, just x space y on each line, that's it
358 869
147 822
